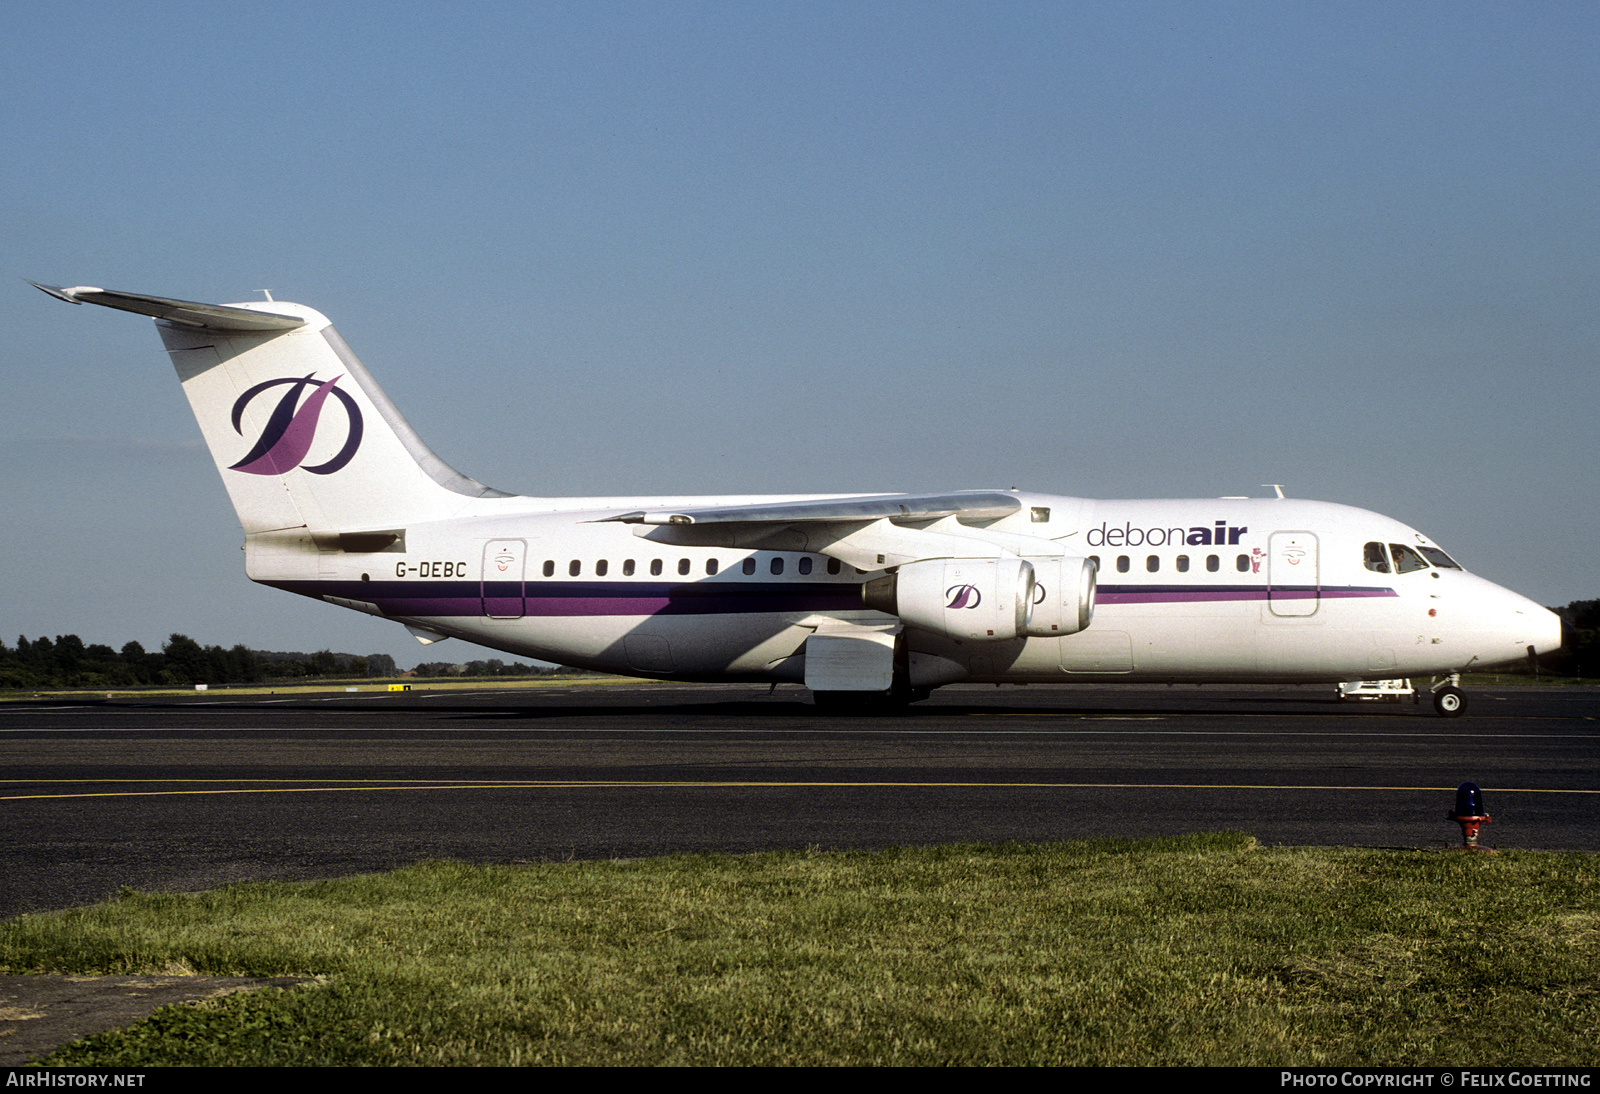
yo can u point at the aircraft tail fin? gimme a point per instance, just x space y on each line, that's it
300 432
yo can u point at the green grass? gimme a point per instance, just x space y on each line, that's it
1198 950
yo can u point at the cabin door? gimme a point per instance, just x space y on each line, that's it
1294 586
502 589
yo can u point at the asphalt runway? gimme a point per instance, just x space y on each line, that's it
188 795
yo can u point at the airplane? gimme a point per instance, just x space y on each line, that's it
870 600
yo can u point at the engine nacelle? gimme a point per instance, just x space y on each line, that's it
982 599
1063 596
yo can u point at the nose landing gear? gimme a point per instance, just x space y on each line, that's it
1448 698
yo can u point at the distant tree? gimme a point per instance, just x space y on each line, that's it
1580 648
37 655
69 655
1583 614
240 666
15 673
146 667
186 662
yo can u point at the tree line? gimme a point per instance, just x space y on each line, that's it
181 662
492 667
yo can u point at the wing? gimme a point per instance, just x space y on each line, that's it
869 532
901 508
955 566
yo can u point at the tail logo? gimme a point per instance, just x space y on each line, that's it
287 438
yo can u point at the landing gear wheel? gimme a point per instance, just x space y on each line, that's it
1450 702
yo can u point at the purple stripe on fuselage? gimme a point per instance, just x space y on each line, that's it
591 598
1197 594
701 603
594 605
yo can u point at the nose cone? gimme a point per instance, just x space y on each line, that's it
1550 629
1508 624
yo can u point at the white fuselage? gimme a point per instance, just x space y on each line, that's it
1207 589
341 500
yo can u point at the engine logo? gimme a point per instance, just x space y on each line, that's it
962 596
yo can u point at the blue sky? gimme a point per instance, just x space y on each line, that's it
1133 250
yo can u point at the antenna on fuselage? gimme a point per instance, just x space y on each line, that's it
1276 486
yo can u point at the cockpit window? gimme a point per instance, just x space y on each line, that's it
1439 558
1406 560
1372 554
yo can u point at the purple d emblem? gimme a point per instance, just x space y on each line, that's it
293 426
962 596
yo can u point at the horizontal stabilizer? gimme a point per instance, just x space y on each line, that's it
966 504
305 440
184 312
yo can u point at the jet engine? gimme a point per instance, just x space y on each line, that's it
989 599
1063 596
982 599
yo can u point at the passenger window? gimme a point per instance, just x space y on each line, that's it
655 567
749 566
601 567
711 565
1242 564
627 568
1096 560
1405 559
1183 564
777 565
1152 563
833 565
574 568
549 567
683 566
1374 558
805 564
1122 564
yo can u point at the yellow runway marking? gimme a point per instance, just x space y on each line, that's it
627 784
